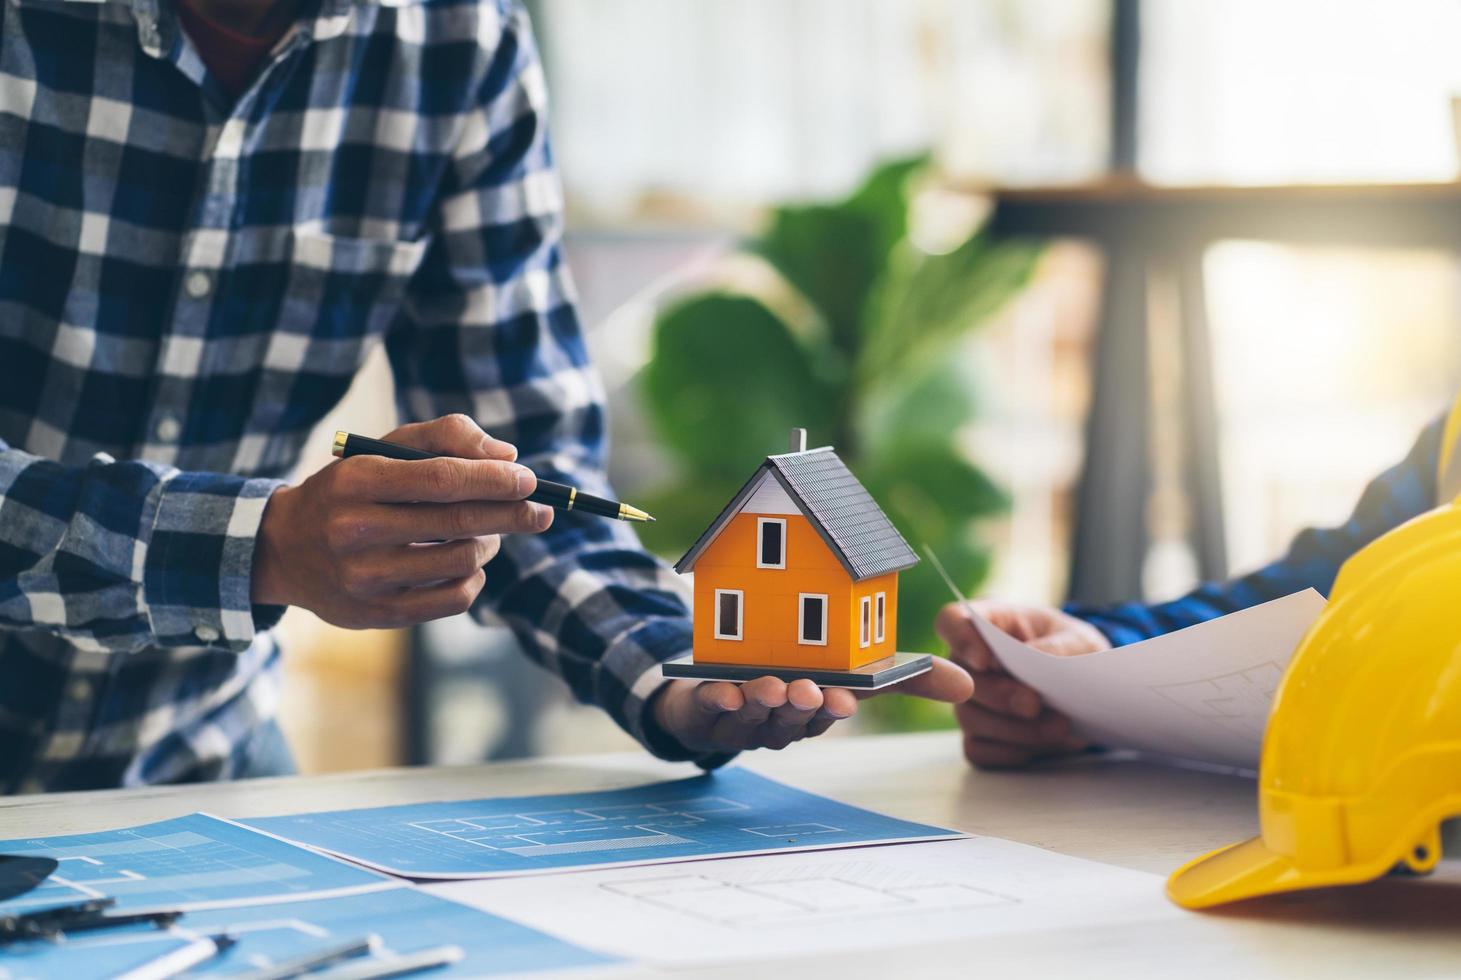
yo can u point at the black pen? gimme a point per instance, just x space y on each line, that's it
50 920
559 496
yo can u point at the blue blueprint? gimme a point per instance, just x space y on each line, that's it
717 815
180 863
406 920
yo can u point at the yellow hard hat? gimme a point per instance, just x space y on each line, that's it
1362 756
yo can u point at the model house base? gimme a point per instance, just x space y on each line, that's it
869 677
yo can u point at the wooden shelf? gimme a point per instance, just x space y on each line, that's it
1122 210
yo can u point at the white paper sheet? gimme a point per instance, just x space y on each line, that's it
824 902
1199 693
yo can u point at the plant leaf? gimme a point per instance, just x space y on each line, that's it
883 197
925 301
833 253
932 490
926 411
726 383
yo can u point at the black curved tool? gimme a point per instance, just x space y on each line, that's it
20 873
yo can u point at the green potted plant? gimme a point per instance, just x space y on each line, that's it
854 335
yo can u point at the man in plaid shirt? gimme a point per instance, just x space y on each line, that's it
210 212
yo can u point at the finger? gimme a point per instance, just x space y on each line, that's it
452 435
717 698
762 695
838 704
1073 641
443 481
434 601
729 734
741 729
777 737
955 626
396 524
996 755
803 701
386 570
1003 693
944 681
819 726
1050 732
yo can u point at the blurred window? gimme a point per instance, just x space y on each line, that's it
1032 370
1327 364
734 103
1302 91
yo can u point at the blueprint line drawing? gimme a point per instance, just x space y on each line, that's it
798 897
733 812
792 830
1237 702
581 830
189 862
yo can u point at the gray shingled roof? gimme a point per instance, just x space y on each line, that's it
838 506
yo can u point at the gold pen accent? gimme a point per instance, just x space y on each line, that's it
338 449
572 496
628 513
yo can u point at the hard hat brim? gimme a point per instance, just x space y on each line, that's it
1246 870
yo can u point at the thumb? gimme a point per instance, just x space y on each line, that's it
1065 643
453 435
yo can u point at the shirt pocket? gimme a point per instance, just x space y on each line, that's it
317 312
345 288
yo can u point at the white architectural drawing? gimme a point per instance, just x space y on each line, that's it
1238 702
801 896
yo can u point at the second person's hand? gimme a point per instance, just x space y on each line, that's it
767 713
369 542
1005 723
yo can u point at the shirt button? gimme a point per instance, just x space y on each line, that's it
169 428
79 690
198 285
206 633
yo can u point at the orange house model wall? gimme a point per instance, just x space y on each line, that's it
771 600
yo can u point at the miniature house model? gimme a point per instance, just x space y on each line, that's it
799 572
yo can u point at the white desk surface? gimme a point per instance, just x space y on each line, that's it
1141 816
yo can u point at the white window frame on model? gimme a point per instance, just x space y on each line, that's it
865 621
740 614
880 614
761 523
801 619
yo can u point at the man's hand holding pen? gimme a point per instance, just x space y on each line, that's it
369 542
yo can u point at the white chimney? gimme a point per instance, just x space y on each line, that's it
798 441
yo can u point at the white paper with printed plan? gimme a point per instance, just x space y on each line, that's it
783 905
1200 693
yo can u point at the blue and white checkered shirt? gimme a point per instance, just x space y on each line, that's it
189 282
1406 490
